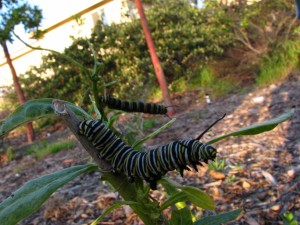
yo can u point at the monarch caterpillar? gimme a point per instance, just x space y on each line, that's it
151 165
129 106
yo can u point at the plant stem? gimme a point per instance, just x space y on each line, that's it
145 210
96 97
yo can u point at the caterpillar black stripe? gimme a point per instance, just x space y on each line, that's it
151 165
134 106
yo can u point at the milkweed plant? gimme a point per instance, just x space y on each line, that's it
29 197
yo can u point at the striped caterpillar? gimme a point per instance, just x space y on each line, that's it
133 106
151 165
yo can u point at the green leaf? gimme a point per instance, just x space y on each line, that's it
177 197
34 193
161 129
33 110
257 128
288 216
98 114
194 195
198 197
288 219
181 217
113 119
111 208
169 184
219 219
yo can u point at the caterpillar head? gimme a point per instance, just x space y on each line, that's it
208 153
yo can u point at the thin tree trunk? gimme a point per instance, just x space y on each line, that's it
18 89
155 60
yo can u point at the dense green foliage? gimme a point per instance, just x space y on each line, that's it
194 45
13 13
280 64
186 38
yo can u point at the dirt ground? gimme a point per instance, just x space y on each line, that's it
262 174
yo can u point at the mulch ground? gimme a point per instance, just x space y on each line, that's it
262 173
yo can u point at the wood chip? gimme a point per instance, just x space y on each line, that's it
251 220
269 178
276 207
246 185
216 175
217 183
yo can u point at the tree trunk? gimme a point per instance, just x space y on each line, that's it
18 89
155 60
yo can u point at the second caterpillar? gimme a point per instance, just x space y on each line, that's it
133 106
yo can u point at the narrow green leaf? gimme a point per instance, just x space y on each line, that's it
111 208
111 83
98 114
194 195
219 219
257 128
34 193
113 119
161 129
33 110
177 197
181 217
170 185
198 197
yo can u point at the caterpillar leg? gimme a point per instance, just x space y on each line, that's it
130 179
153 184
194 165
182 168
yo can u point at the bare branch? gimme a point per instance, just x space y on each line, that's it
244 39
70 119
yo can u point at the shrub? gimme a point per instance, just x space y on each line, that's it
186 39
279 64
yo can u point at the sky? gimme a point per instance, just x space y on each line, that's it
57 10
53 12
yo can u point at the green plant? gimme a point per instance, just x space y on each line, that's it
124 58
6 156
9 154
53 148
136 193
34 193
35 147
178 85
149 123
230 179
284 58
289 219
218 165
238 166
214 85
